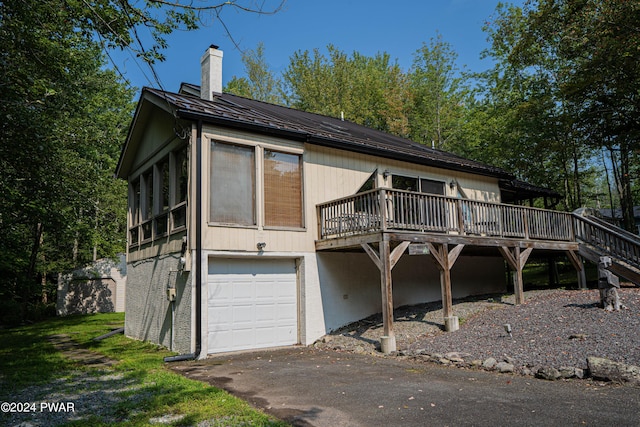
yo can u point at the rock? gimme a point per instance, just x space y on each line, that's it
504 367
548 373
454 357
166 419
489 363
526 371
608 370
567 371
476 363
510 360
579 373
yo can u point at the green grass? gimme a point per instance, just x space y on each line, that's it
536 274
28 359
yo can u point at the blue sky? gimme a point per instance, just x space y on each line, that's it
399 28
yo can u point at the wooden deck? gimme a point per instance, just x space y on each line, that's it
385 222
389 211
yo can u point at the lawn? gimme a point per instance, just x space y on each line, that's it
138 390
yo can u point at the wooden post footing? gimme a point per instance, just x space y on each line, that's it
388 344
451 323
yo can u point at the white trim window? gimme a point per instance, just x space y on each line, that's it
232 184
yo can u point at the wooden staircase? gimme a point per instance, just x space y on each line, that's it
599 238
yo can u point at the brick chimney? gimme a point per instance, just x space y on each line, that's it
211 73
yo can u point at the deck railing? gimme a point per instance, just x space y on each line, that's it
616 242
386 209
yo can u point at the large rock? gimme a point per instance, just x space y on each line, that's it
608 370
504 367
489 363
548 373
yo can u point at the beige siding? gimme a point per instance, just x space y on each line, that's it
328 174
155 143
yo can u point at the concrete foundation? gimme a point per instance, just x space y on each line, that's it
451 324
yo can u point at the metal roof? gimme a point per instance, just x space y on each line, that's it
243 113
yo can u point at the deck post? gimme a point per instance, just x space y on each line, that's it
516 261
389 337
445 260
385 260
576 260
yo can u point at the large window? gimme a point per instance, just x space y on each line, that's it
147 204
243 176
157 199
282 189
180 185
134 231
233 184
421 185
161 226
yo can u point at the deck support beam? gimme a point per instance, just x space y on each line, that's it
445 260
385 260
577 263
516 259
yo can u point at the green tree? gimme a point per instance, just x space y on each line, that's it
64 119
587 51
260 84
539 135
439 96
367 90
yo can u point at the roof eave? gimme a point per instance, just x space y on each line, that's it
146 96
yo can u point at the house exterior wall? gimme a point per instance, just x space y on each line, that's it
334 289
349 285
328 174
150 316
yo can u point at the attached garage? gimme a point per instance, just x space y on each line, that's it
252 303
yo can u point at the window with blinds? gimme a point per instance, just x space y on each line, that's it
282 189
233 184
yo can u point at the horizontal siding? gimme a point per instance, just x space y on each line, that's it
328 174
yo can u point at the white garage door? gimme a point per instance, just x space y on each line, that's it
251 304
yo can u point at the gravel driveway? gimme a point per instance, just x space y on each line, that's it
554 328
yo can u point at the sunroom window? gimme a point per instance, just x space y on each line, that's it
232 184
158 199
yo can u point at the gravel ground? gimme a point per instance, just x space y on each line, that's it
556 328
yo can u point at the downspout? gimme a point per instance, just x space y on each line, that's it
198 230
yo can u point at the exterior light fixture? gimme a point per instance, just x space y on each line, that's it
261 245
386 174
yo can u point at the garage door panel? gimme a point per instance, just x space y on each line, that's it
252 304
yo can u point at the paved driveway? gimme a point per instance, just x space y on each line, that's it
308 387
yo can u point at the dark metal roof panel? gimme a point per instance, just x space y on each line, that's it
317 129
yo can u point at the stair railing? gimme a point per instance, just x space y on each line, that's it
618 243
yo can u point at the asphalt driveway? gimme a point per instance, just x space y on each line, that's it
309 387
